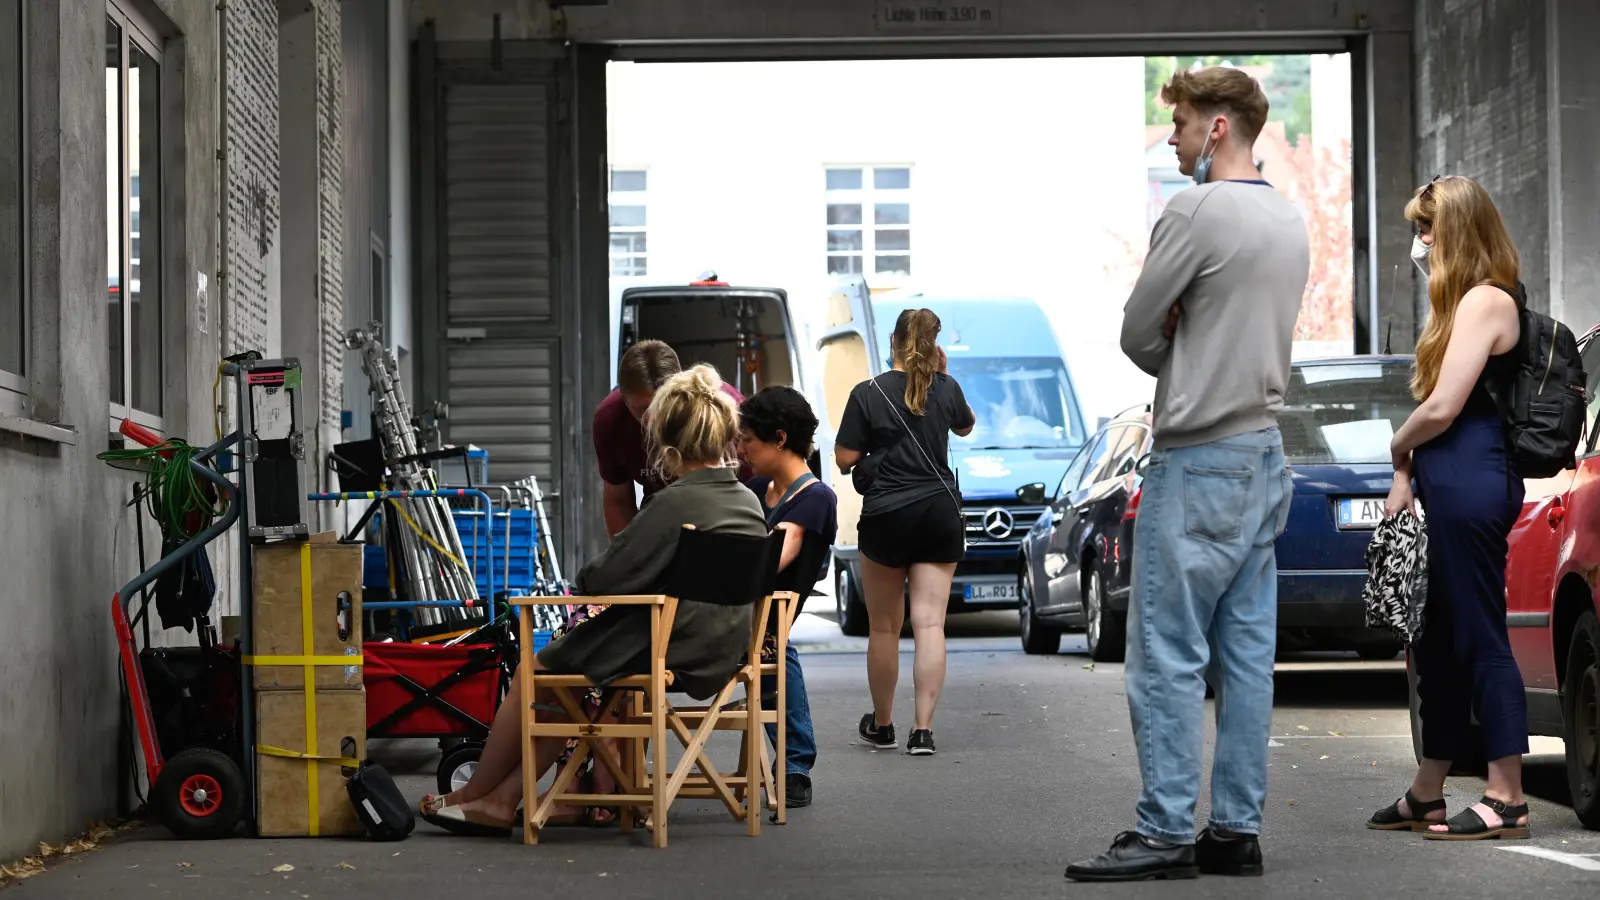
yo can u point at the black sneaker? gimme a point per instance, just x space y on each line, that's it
1134 857
879 736
796 790
921 743
1224 853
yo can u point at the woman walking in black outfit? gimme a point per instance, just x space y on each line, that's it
897 426
1454 447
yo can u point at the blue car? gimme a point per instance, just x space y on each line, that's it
1338 417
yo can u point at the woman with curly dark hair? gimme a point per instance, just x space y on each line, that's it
776 427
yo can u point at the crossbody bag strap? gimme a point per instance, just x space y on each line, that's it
925 457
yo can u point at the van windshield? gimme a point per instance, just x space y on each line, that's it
1020 402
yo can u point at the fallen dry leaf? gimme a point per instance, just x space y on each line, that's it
283 868
186 865
1302 728
1324 756
1336 734
345 865
1291 802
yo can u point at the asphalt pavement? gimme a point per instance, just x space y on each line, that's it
1035 769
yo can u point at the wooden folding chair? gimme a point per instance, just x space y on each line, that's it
707 567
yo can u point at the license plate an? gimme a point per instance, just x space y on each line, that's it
983 592
1360 512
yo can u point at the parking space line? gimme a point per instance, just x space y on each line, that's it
1572 859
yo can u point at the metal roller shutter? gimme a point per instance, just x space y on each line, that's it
502 364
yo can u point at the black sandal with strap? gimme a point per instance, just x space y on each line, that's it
1468 825
1391 819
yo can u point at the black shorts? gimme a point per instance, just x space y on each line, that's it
927 531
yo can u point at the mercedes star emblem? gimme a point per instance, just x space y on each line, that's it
997 523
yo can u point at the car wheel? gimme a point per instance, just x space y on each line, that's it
847 602
1039 638
1580 712
1474 764
1104 630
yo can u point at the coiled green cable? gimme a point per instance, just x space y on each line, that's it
172 488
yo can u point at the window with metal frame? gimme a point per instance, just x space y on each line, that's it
629 193
13 211
869 222
134 142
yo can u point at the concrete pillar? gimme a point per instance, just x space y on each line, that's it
310 97
1384 139
1572 29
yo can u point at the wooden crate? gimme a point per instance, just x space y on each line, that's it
284 788
278 626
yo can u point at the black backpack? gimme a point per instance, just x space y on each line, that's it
1542 401
379 804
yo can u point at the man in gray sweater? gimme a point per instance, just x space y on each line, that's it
1212 317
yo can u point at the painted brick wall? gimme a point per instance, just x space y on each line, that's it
330 211
250 138
1482 95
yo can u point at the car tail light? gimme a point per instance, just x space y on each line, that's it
1132 509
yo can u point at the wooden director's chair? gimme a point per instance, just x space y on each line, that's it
707 567
815 550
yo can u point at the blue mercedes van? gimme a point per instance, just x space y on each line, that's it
1003 352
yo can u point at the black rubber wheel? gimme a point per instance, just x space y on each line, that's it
1580 714
1105 631
457 766
1474 764
848 603
1039 638
201 795
1380 651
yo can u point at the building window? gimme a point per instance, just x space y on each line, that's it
133 220
628 252
13 212
869 222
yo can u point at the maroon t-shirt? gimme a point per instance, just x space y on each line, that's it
619 445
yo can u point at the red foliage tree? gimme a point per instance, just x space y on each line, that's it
1318 181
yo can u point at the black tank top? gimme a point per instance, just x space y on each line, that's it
1496 375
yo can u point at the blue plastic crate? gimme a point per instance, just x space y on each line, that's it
374 567
541 638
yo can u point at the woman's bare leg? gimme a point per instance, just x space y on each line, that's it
885 598
930 599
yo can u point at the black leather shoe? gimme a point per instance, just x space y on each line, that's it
796 790
1134 857
1224 853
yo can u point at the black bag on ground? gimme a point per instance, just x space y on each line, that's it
1542 403
379 804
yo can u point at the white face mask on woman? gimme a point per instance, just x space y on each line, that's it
1419 254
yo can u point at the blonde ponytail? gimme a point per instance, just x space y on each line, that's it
916 341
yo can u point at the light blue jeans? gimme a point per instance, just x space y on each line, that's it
1204 608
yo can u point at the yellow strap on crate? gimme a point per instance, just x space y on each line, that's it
354 659
310 687
264 750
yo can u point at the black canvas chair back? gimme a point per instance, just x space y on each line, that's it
725 569
807 568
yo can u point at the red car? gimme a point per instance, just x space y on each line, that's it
1552 586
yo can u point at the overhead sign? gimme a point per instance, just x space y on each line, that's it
938 16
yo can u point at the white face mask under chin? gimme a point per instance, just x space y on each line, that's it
1420 253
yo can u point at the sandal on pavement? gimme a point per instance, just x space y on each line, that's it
1391 819
1469 825
456 820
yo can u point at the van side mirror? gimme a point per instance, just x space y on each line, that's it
1142 465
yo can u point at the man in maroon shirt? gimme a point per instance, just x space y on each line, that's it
618 437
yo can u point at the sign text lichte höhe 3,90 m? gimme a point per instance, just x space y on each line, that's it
939 15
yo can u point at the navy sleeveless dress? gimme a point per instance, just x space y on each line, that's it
1471 497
